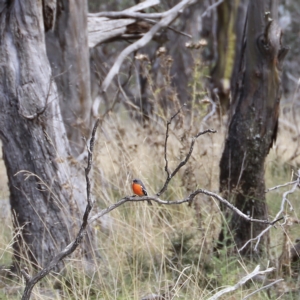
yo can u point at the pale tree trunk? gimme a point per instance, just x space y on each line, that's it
47 205
254 124
68 52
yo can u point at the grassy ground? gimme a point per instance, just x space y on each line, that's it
162 250
165 250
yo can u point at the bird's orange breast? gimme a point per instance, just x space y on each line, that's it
137 189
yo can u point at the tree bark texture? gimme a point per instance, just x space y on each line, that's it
68 52
46 194
226 41
253 126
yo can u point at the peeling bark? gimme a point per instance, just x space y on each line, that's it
46 193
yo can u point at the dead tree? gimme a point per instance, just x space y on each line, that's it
253 127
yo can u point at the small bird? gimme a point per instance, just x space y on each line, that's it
139 189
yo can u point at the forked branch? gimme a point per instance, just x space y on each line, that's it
277 218
183 162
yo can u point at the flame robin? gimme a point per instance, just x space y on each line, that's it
139 189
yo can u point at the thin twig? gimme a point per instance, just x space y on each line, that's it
183 162
127 14
31 282
263 288
97 101
166 144
141 6
212 111
171 28
277 217
242 168
136 15
280 186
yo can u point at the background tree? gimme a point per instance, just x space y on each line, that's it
253 127
68 53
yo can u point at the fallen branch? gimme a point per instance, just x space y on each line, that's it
263 288
102 29
229 289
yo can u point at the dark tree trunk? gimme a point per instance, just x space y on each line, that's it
46 193
253 127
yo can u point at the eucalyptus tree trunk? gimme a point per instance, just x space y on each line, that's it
253 127
46 192
68 53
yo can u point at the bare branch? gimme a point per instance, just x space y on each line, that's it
212 7
101 29
138 7
280 186
166 145
229 289
183 162
171 28
169 16
277 217
188 199
263 288
31 282
126 14
212 112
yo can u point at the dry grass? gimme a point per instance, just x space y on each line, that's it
164 250
150 247
157 249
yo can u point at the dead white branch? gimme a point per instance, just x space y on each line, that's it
101 29
241 282
169 16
